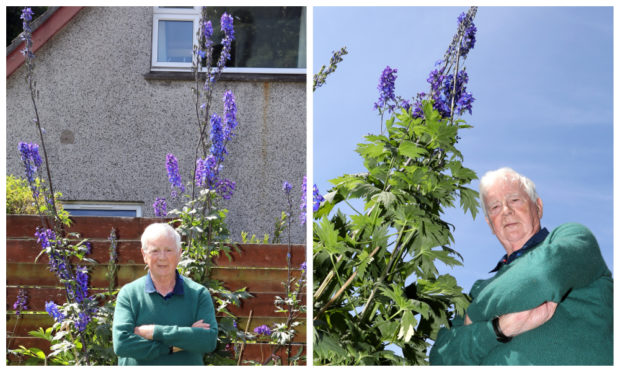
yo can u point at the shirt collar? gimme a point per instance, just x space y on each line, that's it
149 286
531 243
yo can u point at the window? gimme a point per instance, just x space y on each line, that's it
267 39
103 209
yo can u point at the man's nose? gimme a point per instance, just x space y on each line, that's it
506 209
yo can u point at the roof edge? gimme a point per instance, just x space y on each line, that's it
43 29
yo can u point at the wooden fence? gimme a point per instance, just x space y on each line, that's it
262 269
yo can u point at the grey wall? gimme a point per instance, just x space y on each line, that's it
108 129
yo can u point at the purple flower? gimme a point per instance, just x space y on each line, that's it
303 266
26 16
468 40
226 23
287 187
81 280
160 207
82 322
218 141
262 330
206 171
386 89
234 323
32 161
207 30
230 114
45 237
302 214
172 165
317 198
53 311
20 303
225 188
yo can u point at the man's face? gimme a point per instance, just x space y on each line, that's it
162 256
512 215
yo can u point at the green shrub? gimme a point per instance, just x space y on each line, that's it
19 199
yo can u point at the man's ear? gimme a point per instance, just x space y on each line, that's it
539 208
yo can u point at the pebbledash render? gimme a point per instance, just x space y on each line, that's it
110 119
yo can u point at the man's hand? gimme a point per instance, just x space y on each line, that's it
201 324
514 324
145 331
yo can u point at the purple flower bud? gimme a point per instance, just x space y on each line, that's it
160 207
287 187
262 330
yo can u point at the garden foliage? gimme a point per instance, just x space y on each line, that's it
200 218
81 333
364 261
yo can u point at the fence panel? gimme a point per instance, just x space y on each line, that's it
261 269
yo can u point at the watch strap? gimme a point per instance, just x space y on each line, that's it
501 337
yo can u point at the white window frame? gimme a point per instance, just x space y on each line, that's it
171 14
193 14
104 206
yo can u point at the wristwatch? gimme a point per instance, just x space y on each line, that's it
501 337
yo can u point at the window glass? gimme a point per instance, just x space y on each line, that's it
175 41
102 212
265 37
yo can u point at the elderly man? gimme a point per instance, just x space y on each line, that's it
163 318
550 301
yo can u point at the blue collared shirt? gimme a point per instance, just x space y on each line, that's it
149 287
531 243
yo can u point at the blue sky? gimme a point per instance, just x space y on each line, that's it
542 78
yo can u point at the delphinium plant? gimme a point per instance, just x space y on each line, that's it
292 304
78 333
363 311
199 216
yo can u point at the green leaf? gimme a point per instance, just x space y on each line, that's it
469 200
407 326
411 150
371 150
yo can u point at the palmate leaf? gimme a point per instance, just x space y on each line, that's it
372 150
469 200
385 198
411 150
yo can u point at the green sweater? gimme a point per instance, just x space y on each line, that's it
567 268
173 319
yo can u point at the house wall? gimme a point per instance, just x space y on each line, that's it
108 128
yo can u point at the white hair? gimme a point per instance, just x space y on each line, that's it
155 230
509 175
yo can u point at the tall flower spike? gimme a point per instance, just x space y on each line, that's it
172 165
302 206
218 145
230 114
226 23
386 89
449 95
26 17
20 303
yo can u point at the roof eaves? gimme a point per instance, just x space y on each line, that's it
43 28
